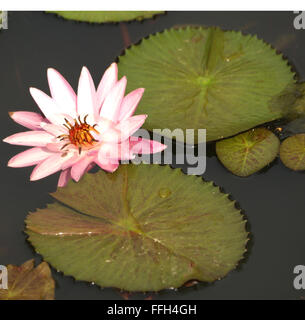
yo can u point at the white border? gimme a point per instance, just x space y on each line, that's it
207 5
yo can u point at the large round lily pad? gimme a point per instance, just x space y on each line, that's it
248 152
106 16
142 228
223 81
292 152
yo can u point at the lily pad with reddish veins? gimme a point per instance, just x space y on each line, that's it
292 152
223 81
141 228
248 152
29 283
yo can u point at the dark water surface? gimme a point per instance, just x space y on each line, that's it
273 200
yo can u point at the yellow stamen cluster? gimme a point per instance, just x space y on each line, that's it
79 133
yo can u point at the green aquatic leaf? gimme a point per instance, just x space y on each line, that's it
223 81
248 152
298 108
29 283
291 101
141 228
292 152
106 16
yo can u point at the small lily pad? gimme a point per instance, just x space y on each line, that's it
29 283
141 228
197 78
292 152
106 16
248 152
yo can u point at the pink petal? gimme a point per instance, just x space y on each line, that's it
110 135
73 160
130 126
80 167
111 106
86 95
107 165
56 146
130 103
49 166
104 125
122 131
30 138
145 146
64 178
28 158
107 82
62 92
30 120
48 106
54 129
115 151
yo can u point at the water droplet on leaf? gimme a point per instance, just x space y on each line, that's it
164 192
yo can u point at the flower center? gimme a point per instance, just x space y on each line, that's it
79 133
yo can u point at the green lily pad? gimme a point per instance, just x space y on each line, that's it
292 152
248 152
29 283
141 228
223 81
106 16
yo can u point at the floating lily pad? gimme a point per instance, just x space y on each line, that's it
142 228
206 78
106 16
292 152
29 283
248 152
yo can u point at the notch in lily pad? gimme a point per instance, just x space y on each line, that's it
141 228
248 152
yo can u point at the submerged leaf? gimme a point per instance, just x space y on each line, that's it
248 152
106 16
29 283
295 126
206 78
298 109
291 101
292 152
141 228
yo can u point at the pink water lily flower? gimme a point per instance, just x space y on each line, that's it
79 131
